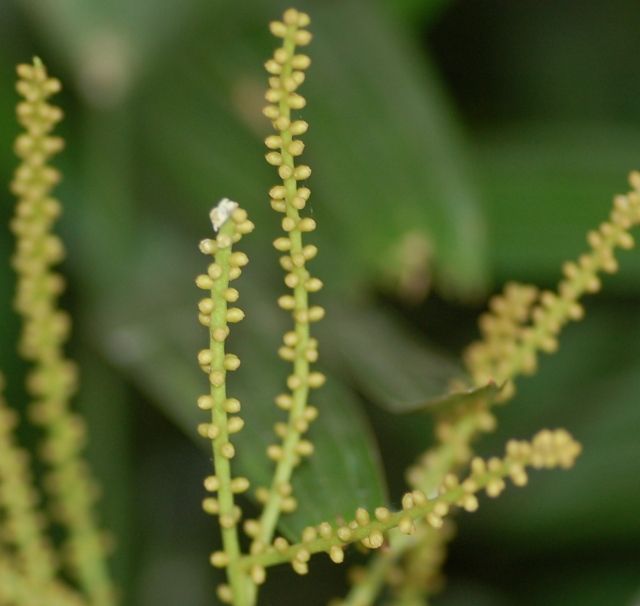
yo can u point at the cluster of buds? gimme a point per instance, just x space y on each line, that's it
23 523
501 329
418 571
286 70
289 198
525 331
548 449
520 323
216 313
15 588
37 248
45 329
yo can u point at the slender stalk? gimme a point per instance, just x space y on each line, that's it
52 381
216 314
548 449
299 348
556 309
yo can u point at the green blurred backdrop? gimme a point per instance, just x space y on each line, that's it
455 146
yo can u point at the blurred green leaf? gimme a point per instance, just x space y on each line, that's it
455 399
574 581
104 400
606 582
343 473
106 44
386 164
557 183
390 366
169 562
464 591
420 11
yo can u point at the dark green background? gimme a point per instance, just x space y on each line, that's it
494 132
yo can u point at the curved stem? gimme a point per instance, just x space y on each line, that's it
546 450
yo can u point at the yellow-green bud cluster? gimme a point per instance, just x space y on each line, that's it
15 588
454 433
555 309
216 312
548 449
521 322
416 572
286 70
22 523
501 328
37 248
45 329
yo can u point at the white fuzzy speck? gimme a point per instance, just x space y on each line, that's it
221 212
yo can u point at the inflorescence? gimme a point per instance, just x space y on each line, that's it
23 522
522 322
299 348
547 450
216 312
289 198
52 380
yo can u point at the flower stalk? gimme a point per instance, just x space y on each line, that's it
547 450
288 198
52 380
521 323
232 223
554 309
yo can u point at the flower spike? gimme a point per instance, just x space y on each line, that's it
18 499
553 310
231 223
289 198
547 450
52 381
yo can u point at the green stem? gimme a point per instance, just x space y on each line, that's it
219 419
286 464
52 380
443 460
547 450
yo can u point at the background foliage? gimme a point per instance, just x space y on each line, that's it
455 145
